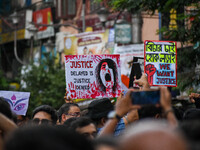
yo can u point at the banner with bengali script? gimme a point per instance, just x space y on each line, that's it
91 76
18 101
160 62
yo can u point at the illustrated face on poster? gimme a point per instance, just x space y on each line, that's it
161 63
18 101
106 75
91 76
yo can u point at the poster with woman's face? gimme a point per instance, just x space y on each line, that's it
92 76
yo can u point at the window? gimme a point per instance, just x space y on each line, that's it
65 9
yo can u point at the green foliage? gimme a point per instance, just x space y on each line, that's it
46 84
187 31
186 68
4 84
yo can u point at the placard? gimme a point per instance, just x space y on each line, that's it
160 63
18 101
91 76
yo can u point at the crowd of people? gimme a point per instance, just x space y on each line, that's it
105 126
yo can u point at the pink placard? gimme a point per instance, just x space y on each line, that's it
91 76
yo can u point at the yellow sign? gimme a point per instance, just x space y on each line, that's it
87 43
8 37
173 17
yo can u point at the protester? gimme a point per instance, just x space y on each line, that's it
191 130
192 114
6 127
22 120
44 114
105 143
69 121
46 138
107 119
84 126
124 105
5 108
152 135
67 111
98 111
6 123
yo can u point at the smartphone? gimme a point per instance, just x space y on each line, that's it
135 72
145 97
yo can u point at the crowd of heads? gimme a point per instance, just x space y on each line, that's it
149 127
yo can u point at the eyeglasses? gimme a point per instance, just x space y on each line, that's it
75 114
41 121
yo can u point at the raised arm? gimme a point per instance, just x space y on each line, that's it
123 106
143 82
6 126
165 102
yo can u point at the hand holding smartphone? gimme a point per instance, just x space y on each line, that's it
145 97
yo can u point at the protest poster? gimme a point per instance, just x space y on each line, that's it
91 76
18 101
160 63
89 43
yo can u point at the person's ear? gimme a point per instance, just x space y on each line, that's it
63 118
103 121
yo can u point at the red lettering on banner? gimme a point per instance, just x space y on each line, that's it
165 73
81 64
165 66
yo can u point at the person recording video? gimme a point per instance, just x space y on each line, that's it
125 105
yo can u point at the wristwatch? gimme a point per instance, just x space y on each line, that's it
113 115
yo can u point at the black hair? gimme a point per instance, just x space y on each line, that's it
149 111
5 108
192 114
65 109
48 109
112 65
191 131
98 109
46 138
69 122
80 122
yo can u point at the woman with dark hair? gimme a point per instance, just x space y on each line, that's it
107 77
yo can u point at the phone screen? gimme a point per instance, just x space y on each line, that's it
145 97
